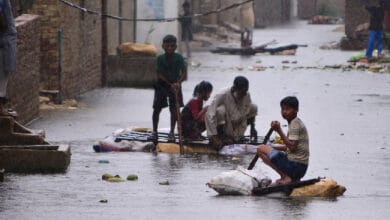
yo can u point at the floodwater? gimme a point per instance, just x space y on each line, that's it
347 115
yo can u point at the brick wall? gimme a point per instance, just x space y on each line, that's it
49 21
355 14
81 49
23 87
81 46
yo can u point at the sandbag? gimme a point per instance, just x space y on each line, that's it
324 188
129 49
238 182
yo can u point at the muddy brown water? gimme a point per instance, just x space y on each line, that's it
347 115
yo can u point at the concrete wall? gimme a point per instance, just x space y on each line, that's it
23 87
232 16
131 71
156 9
202 6
271 12
81 46
309 8
120 31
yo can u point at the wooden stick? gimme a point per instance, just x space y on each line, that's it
252 164
178 115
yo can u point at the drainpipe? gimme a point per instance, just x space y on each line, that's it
120 5
218 14
135 22
59 77
104 43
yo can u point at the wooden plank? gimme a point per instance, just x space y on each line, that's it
163 138
286 188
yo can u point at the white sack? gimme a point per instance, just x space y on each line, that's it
237 182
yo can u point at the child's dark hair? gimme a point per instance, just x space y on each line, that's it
202 88
169 39
290 101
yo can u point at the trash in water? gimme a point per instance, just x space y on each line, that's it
132 177
166 182
114 179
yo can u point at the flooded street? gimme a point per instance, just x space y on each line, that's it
347 114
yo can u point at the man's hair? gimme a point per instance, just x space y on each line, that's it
240 83
169 39
290 101
186 4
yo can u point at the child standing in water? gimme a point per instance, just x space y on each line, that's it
171 72
193 113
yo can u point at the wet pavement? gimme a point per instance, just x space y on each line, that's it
347 114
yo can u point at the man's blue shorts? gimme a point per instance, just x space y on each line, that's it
294 170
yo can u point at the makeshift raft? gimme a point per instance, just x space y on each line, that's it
281 50
143 141
241 181
318 187
283 188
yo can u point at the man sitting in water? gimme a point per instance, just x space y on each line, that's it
291 159
230 113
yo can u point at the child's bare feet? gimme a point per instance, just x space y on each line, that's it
285 180
282 181
277 182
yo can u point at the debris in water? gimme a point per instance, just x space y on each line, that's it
166 183
132 177
235 158
114 179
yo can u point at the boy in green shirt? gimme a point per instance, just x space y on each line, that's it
171 72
